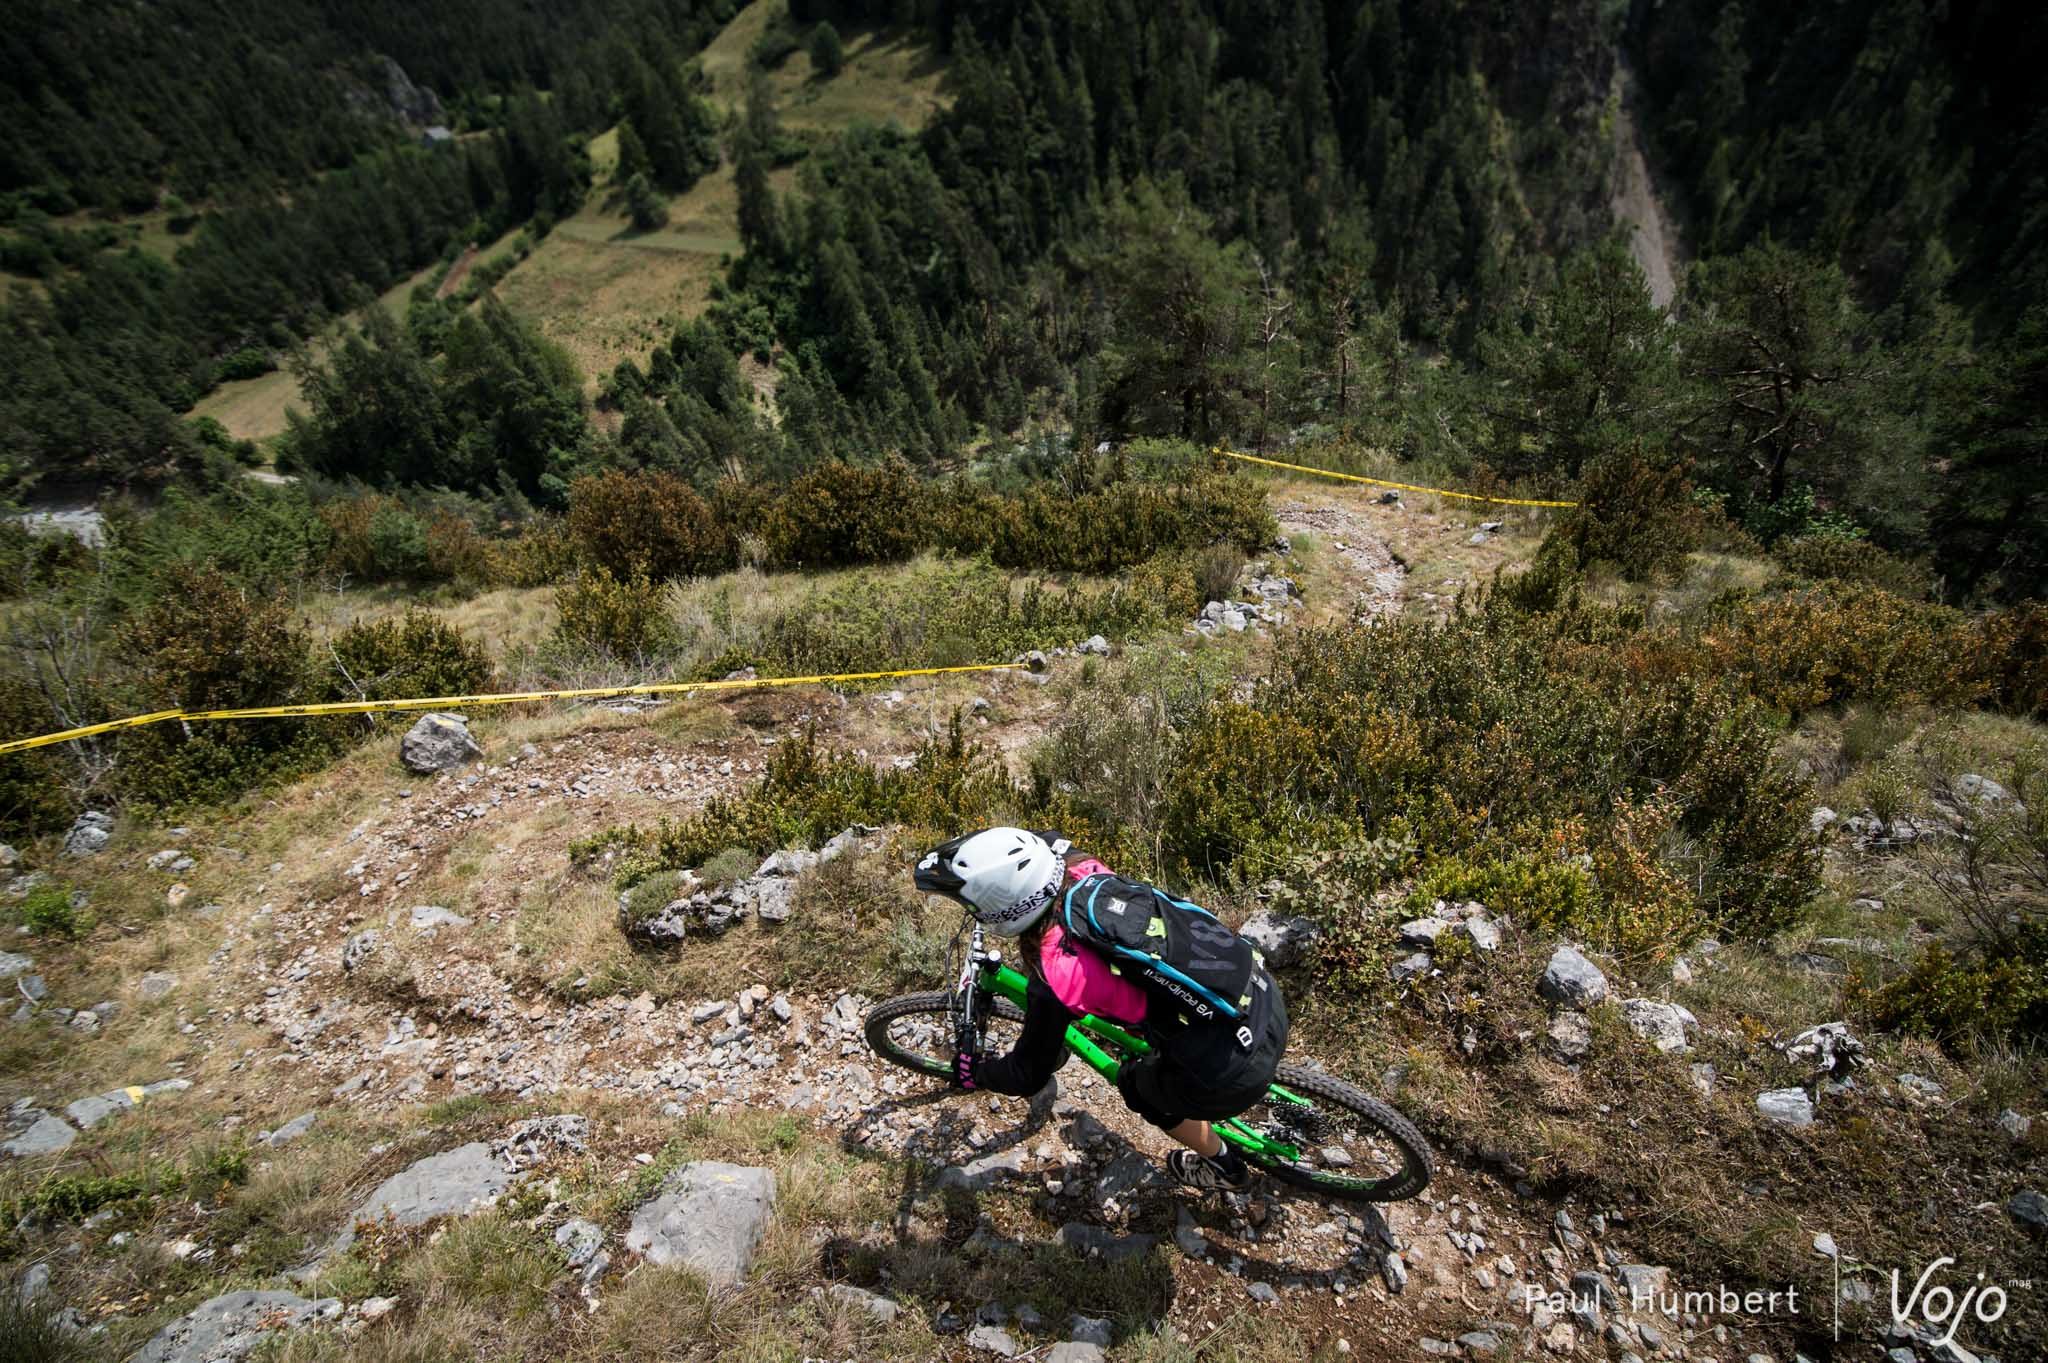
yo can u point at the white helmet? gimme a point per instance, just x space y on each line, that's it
1005 877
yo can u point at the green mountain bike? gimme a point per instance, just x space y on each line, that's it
1312 1131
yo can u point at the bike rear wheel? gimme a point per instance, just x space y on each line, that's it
916 1031
1354 1148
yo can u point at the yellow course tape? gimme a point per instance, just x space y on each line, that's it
372 707
1381 482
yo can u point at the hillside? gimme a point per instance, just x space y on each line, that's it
1611 695
273 960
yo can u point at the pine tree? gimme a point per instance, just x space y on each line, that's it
827 52
648 209
1991 524
1792 388
1593 371
1180 317
633 159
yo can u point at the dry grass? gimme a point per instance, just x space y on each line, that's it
887 77
254 409
606 292
504 620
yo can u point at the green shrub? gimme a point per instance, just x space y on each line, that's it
2011 653
72 1197
208 643
35 796
1169 583
542 555
827 52
728 867
777 41
267 539
375 539
1632 514
1536 888
1832 642
940 613
808 794
455 552
651 525
1108 529
1833 557
840 514
29 561
247 363
414 655
1953 999
1216 571
626 620
48 912
1338 889
1490 736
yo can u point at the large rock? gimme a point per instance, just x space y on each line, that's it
709 1217
584 1242
359 949
427 917
1074 1351
232 1326
1284 941
1786 1107
1571 979
90 834
982 1174
2029 1207
539 1139
438 742
772 898
1423 932
873 1305
1484 933
45 1136
790 861
1571 1035
1981 789
89 1112
453 1183
1664 1025
14 963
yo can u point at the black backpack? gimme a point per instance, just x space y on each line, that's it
1198 975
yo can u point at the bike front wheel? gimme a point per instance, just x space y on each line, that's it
1351 1146
916 1030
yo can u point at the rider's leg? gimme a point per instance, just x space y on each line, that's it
1199 1137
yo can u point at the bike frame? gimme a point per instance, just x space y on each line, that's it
984 972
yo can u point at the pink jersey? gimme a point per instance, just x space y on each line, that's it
1081 978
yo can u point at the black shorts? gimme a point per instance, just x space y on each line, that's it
1205 1075
1166 1095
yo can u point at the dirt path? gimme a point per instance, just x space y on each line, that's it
458 272
1359 547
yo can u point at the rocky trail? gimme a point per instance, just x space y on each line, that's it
339 985
1361 548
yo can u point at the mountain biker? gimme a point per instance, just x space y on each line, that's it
1201 1069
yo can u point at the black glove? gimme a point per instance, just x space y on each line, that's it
964 1065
